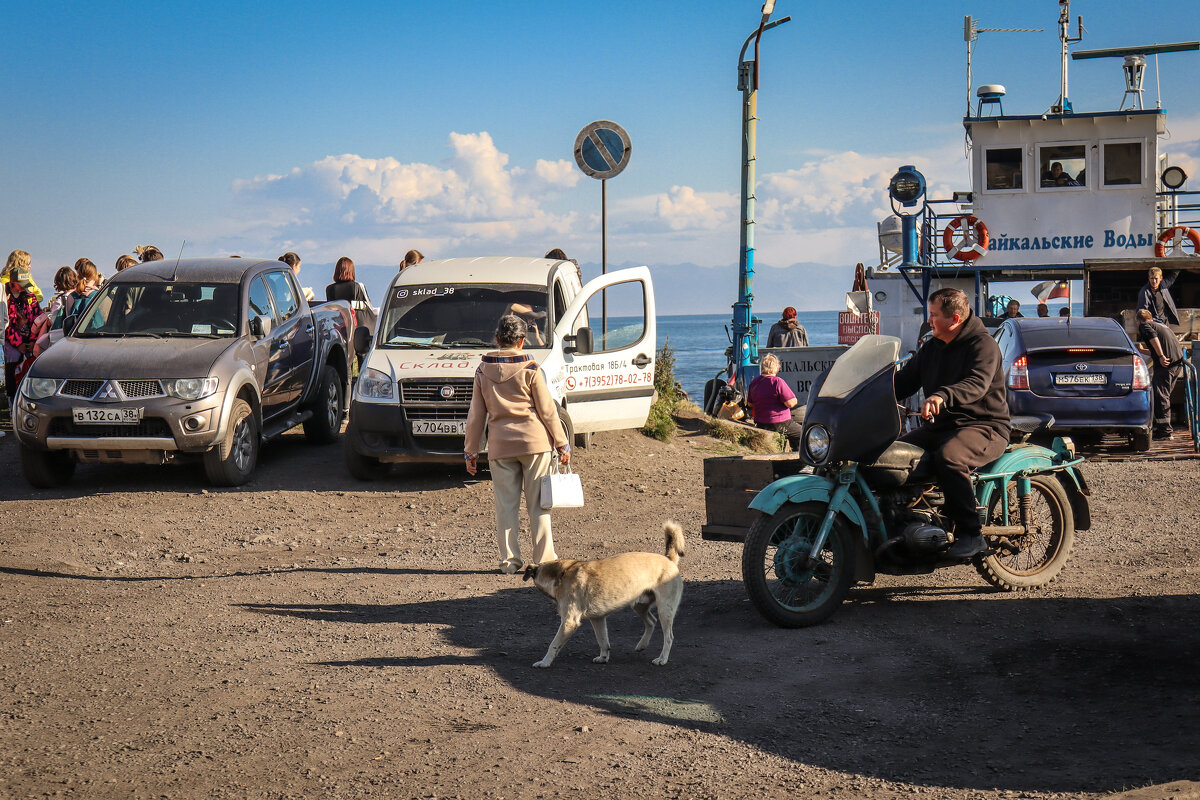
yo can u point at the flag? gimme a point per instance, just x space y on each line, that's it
1048 290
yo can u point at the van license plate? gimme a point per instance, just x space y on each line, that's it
1067 379
437 427
107 416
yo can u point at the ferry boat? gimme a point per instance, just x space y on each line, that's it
1057 197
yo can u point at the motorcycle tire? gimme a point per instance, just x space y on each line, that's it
781 589
1032 561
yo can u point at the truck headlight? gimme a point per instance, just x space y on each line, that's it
39 388
816 442
375 385
190 388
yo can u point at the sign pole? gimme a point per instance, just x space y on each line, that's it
602 151
604 255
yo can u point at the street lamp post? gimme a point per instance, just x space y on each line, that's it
745 326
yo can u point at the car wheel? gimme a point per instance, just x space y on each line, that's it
45 469
1141 440
232 462
325 424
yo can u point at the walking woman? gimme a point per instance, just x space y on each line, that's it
512 399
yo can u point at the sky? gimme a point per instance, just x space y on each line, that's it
365 129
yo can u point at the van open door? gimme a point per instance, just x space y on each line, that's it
609 373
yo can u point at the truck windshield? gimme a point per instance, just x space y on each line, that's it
162 309
449 315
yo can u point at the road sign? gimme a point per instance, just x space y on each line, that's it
602 149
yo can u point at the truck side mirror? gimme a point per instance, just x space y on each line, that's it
362 339
580 343
260 326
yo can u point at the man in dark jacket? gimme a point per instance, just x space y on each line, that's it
1168 359
1156 298
965 409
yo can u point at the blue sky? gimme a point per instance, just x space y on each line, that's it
364 129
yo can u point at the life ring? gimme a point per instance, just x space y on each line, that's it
1175 236
974 242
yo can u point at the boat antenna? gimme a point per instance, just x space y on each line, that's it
175 272
971 31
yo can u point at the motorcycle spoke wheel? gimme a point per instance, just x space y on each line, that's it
1035 558
784 586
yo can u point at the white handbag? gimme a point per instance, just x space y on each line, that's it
561 489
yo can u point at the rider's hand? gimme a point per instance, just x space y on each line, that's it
932 407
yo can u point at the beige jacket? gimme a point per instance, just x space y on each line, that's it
512 399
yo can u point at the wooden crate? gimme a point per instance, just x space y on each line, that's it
731 482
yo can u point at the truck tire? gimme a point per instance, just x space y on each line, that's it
364 468
46 469
231 463
324 426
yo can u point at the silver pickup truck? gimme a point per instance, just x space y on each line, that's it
200 358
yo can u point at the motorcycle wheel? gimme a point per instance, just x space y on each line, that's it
781 587
1027 562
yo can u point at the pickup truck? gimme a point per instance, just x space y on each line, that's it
438 319
195 359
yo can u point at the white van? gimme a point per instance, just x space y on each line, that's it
413 393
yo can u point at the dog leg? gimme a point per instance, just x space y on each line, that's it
643 611
600 626
565 629
666 614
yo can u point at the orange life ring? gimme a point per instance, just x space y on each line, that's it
974 242
1169 235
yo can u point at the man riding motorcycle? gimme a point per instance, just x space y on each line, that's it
965 409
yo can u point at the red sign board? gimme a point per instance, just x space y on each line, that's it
852 326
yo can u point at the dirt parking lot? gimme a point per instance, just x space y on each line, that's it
311 636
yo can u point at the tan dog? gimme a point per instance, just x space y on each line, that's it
592 590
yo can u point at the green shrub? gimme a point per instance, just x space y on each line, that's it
660 424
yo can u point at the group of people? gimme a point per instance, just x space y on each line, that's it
1013 310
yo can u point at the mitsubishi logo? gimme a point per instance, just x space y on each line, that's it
446 392
1081 367
108 393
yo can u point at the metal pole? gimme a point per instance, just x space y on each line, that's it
603 257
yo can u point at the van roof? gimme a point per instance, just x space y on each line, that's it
491 269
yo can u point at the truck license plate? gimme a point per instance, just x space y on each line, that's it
107 416
437 427
1067 378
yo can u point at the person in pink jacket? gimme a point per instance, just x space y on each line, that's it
510 397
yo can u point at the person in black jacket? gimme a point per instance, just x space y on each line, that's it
1156 298
965 409
1168 363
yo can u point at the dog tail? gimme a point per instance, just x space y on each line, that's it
674 536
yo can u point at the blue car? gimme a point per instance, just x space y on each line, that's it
1085 372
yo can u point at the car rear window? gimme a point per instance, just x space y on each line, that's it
1092 334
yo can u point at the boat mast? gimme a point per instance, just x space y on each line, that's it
1063 106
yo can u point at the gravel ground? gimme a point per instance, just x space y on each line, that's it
311 636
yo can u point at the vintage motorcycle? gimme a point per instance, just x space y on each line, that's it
871 504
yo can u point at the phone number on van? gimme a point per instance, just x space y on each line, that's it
600 381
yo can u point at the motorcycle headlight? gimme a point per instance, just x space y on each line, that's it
816 442
374 384
39 388
190 388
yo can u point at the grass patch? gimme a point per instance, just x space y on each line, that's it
756 439
661 424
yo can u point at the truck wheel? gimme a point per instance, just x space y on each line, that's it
46 469
325 424
232 461
365 468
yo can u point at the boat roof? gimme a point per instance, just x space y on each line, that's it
483 269
973 120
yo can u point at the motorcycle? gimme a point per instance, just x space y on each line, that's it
871 504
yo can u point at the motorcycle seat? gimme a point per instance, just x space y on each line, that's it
900 463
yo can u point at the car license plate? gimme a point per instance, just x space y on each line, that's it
437 427
107 416
1068 379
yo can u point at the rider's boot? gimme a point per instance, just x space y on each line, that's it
965 547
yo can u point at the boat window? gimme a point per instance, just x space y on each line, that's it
1004 168
1122 163
1062 165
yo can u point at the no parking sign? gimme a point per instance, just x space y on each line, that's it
602 149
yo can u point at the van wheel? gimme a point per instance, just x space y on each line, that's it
325 424
46 469
568 426
364 468
231 463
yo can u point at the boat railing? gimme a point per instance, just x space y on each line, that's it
1175 208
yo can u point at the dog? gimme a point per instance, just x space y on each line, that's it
592 590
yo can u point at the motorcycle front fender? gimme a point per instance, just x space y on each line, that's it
805 488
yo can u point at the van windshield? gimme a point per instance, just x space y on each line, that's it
453 315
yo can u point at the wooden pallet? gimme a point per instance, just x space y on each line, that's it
731 482
1113 447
